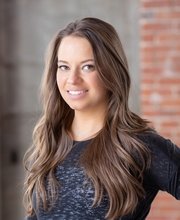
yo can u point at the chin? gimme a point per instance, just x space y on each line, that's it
77 108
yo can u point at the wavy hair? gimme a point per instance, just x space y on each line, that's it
116 159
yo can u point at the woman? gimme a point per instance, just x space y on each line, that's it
92 158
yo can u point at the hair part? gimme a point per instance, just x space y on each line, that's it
116 159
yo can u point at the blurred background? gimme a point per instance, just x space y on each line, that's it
150 33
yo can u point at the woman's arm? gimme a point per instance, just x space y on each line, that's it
165 164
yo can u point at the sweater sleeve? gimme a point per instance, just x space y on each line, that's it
31 217
165 164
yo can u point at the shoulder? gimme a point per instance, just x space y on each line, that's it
164 170
158 144
151 136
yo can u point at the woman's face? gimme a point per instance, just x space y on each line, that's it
77 76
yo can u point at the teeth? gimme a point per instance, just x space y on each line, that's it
77 92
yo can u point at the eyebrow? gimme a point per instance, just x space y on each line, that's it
84 61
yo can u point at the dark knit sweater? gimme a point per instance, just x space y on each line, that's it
75 196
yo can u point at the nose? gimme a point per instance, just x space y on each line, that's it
73 77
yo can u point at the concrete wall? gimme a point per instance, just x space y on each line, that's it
27 27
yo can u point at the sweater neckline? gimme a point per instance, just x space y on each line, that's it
75 142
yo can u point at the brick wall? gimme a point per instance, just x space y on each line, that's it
160 82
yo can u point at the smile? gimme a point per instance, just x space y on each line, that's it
76 92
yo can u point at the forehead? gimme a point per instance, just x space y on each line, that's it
74 46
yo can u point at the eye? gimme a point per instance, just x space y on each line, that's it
63 67
88 67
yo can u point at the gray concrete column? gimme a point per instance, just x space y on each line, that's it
1 100
26 28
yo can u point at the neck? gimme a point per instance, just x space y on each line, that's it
86 126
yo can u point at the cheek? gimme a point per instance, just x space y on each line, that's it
101 88
98 84
59 81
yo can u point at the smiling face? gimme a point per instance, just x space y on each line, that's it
77 77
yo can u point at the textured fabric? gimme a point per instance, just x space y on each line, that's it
76 194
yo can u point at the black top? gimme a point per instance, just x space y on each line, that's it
76 194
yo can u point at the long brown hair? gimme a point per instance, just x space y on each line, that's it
116 159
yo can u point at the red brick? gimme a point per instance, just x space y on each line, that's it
170 81
168 15
152 70
156 26
160 3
